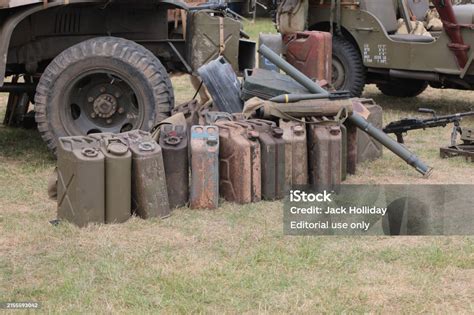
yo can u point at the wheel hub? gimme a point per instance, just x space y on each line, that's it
105 105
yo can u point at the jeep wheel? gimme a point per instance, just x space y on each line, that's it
348 71
405 88
105 84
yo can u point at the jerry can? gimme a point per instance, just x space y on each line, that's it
149 192
204 167
174 145
325 154
81 181
311 53
296 153
369 149
344 152
118 179
275 43
239 163
273 158
351 147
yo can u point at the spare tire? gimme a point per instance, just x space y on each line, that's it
104 84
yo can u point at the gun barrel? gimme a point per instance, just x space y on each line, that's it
356 119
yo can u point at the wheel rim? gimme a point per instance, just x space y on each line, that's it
101 101
338 73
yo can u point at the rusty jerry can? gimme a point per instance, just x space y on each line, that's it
239 163
118 179
296 153
369 149
174 145
311 53
204 167
324 154
273 158
81 181
149 192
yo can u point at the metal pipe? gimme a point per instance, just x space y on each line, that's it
391 144
291 71
17 88
427 76
359 121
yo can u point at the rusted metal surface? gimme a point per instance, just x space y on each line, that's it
351 148
204 167
466 150
311 53
296 153
174 145
239 163
325 154
369 149
149 192
81 181
272 157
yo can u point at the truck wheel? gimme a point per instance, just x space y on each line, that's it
405 88
348 71
105 84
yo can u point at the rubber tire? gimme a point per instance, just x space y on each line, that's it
354 68
405 88
133 61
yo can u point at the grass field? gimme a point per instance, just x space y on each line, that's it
235 259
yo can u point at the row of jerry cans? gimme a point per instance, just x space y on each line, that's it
104 178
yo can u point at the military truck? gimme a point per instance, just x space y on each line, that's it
366 48
103 65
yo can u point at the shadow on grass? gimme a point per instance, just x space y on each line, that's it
24 145
443 101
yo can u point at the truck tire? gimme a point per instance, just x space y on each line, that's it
405 88
348 68
104 84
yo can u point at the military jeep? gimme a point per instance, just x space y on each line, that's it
93 66
366 48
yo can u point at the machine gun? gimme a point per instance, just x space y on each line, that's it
403 126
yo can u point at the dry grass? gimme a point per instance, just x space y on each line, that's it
235 259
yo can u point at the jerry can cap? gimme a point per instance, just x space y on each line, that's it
277 132
90 152
212 140
147 146
117 148
172 140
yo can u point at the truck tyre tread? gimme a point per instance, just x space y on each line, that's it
411 88
122 50
350 57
